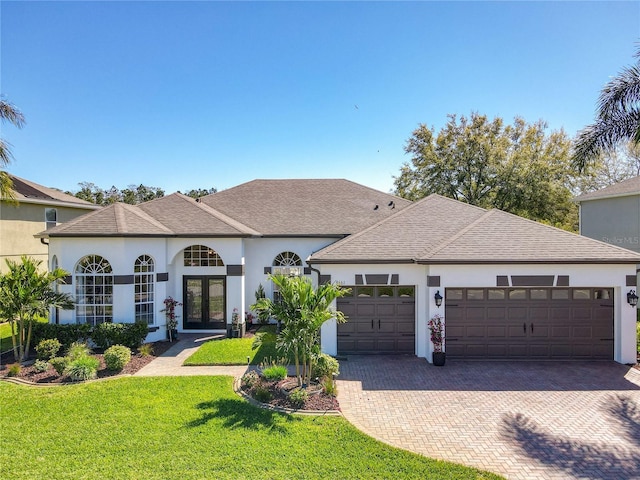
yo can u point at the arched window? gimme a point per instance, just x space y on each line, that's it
287 263
94 290
144 288
201 256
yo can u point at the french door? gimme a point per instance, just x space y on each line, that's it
204 302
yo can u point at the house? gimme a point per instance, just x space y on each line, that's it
511 288
35 208
612 214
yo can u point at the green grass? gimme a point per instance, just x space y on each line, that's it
5 336
186 428
234 351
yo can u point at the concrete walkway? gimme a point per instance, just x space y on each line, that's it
169 364
522 420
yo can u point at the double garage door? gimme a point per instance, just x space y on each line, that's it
380 320
485 323
529 323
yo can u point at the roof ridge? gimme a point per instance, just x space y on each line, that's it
135 210
121 221
219 215
459 234
353 237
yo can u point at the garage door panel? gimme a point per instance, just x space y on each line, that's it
366 309
387 326
365 344
406 309
386 345
496 331
406 327
406 345
564 323
385 310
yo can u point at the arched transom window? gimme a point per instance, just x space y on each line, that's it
94 290
287 263
144 288
201 256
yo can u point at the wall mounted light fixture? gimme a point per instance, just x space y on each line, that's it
632 298
438 298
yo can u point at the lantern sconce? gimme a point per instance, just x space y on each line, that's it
632 298
438 298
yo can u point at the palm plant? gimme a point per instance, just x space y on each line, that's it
27 293
302 309
618 118
11 114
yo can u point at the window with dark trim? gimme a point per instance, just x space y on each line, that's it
94 290
143 280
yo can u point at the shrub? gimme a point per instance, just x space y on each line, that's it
298 397
65 334
14 370
41 366
47 349
128 334
330 387
83 368
275 372
59 364
326 366
249 379
146 350
78 350
117 357
262 394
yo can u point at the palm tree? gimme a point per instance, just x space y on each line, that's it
27 293
302 310
8 112
618 118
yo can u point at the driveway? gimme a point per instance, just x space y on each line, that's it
552 420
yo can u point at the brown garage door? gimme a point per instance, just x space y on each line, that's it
529 323
380 320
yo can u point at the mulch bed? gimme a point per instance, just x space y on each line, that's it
50 376
318 400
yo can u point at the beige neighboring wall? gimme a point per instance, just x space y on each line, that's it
24 218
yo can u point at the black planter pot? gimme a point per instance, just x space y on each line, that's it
439 359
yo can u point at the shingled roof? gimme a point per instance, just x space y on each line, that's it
31 192
630 186
175 214
441 230
324 207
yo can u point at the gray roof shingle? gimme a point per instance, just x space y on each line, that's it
28 191
441 230
631 186
323 207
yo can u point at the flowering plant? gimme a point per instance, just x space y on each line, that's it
248 317
436 326
170 312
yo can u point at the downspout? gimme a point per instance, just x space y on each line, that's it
43 242
314 270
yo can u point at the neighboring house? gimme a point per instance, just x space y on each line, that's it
35 208
612 214
512 288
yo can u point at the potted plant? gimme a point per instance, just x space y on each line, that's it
172 319
436 326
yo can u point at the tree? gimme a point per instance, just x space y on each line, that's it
201 192
132 195
610 168
302 310
8 112
519 168
617 120
27 293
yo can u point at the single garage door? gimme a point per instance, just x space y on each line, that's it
529 323
380 320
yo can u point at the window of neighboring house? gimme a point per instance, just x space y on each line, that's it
51 217
144 289
285 263
201 256
94 290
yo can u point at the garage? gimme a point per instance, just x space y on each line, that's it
529 323
380 319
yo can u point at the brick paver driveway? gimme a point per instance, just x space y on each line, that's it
522 420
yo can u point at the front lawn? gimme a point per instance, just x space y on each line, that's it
5 335
234 351
186 428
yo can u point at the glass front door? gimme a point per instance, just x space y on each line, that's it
204 303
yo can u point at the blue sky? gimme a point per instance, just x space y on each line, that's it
182 95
